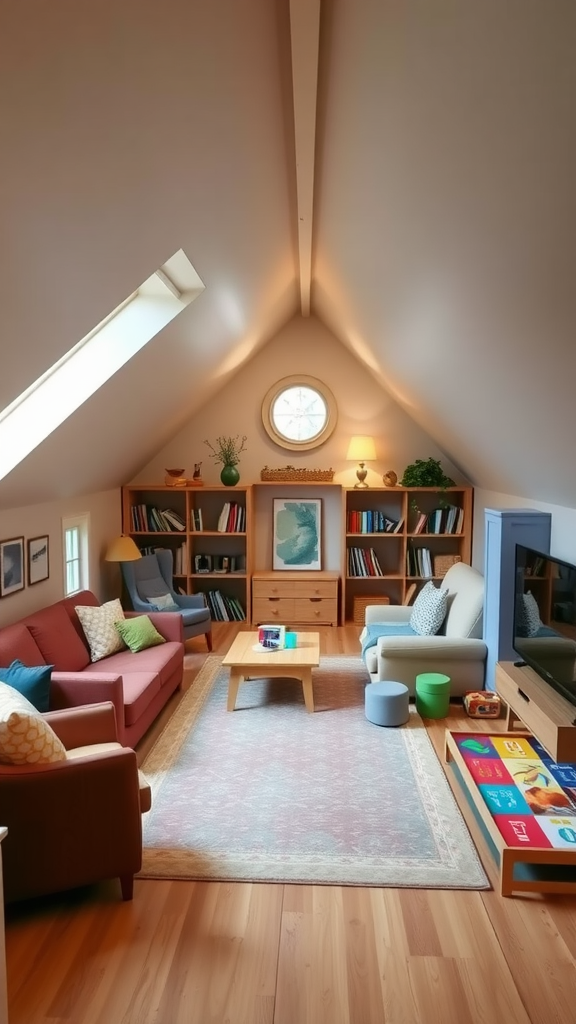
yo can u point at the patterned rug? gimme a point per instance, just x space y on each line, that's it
269 792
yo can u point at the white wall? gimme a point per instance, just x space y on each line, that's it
563 537
302 346
104 510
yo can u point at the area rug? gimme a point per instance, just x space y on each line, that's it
270 792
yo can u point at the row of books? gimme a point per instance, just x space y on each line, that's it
363 562
232 519
223 607
150 519
419 562
371 521
449 519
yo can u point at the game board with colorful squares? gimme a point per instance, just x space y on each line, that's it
531 798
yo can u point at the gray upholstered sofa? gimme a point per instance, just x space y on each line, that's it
457 650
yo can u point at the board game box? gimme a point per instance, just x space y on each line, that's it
530 797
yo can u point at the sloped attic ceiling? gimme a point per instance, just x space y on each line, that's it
442 234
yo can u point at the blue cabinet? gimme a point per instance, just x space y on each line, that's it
504 529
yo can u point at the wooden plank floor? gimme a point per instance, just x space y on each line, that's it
222 953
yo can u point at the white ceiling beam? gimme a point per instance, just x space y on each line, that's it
305 36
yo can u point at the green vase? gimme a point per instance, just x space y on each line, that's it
229 475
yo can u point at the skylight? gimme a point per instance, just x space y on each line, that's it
51 399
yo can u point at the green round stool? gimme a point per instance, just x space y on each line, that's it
432 694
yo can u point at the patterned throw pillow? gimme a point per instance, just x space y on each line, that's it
139 633
530 617
165 603
429 610
99 629
25 737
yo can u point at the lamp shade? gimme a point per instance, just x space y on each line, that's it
122 549
361 449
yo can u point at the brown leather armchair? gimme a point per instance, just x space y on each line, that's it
74 822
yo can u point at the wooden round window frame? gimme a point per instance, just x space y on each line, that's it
315 385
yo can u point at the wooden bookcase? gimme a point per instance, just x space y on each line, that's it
398 553
194 545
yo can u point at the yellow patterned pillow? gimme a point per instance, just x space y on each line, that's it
25 737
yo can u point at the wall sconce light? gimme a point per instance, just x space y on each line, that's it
361 449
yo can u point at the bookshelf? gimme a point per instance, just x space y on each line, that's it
211 547
396 536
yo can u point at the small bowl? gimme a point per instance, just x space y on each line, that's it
175 472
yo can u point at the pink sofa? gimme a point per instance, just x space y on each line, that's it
138 685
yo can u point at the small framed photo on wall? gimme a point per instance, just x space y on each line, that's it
11 566
38 563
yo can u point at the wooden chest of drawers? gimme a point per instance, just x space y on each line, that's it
295 597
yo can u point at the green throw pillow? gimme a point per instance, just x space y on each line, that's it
139 633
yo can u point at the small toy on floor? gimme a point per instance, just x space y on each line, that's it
482 704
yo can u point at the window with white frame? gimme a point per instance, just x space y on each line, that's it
75 553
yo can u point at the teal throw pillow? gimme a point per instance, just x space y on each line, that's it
139 633
33 683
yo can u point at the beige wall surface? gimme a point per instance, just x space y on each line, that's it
302 346
37 520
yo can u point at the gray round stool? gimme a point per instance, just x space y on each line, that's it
387 703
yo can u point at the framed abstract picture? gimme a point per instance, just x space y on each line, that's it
11 566
38 564
297 534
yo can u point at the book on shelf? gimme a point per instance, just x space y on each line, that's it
173 518
363 562
421 522
224 607
196 523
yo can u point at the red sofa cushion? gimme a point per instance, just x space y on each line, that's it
57 639
17 642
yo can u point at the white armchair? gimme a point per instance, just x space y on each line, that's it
457 650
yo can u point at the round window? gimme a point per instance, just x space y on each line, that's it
299 412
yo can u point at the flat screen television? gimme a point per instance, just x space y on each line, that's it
544 620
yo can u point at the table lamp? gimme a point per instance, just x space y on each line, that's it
361 449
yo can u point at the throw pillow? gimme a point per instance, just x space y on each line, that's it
429 610
165 603
139 633
98 623
32 683
25 737
532 620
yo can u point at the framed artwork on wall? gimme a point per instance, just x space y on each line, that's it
11 566
38 563
297 534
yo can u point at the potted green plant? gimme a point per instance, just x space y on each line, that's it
227 450
426 473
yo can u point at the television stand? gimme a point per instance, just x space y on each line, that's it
541 710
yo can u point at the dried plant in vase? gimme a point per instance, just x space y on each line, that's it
227 450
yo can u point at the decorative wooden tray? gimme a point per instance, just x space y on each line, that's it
289 474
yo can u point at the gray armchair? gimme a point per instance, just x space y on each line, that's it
150 578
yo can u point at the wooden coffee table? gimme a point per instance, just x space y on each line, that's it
294 663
